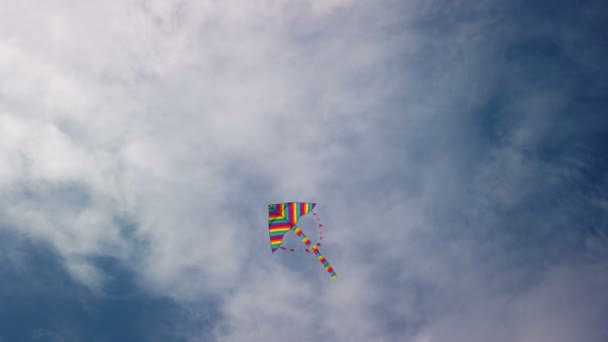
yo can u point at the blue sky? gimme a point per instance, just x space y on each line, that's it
456 150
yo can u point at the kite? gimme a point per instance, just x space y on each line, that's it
282 217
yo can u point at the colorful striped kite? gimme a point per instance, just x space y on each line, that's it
282 217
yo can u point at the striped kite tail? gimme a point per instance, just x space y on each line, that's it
315 250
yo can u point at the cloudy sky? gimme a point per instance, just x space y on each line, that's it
456 150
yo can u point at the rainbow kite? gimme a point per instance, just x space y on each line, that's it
282 217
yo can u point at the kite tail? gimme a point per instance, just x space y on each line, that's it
315 250
324 261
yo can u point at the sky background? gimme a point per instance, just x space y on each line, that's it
456 150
